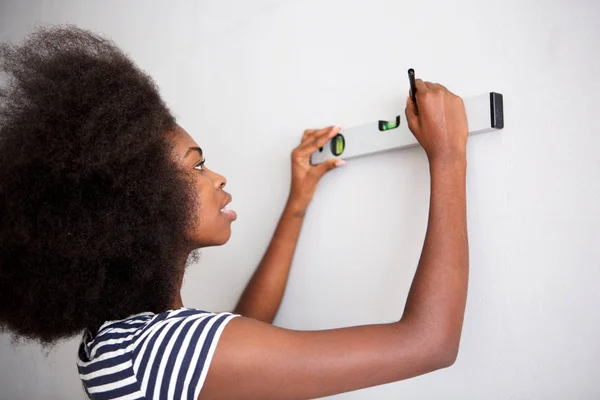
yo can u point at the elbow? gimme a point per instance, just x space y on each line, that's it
444 353
447 357
438 345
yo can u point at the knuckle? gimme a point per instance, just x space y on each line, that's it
427 97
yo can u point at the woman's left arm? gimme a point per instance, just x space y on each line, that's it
262 296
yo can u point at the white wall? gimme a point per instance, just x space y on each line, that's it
245 78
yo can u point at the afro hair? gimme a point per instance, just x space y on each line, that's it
92 205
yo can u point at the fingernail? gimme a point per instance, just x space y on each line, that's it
339 163
338 127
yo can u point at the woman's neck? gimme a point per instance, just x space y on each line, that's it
178 303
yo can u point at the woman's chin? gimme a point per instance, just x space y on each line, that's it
226 235
225 239
217 240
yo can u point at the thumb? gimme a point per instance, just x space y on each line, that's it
411 108
411 113
329 165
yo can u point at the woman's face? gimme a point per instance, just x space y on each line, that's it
214 226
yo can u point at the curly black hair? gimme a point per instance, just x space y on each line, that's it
92 205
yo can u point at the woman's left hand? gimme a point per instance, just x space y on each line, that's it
305 177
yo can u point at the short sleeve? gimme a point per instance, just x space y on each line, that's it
173 352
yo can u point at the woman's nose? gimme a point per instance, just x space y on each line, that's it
219 180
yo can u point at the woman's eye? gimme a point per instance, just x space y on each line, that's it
201 165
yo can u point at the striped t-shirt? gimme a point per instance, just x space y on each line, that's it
150 356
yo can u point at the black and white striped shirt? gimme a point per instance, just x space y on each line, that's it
150 356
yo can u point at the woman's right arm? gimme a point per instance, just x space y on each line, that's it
255 360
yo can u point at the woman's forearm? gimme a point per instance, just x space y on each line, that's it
437 297
262 296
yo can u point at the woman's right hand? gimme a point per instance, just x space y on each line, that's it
440 125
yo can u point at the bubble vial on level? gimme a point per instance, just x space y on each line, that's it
387 125
338 143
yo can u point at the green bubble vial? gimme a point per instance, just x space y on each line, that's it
390 125
387 125
338 143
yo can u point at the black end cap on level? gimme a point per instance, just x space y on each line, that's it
497 110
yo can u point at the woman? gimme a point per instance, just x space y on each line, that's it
104 197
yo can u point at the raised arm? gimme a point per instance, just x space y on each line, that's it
262 296
254 360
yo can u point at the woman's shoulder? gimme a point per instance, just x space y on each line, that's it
138 327
147 319
178 342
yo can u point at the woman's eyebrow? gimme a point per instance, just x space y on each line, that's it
198 149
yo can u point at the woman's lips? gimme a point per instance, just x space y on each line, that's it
230 214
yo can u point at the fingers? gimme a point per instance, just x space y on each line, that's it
440 86
317 139
411 109
312 140
421 86
308 133
412 117
312 134
429 85
434 86
328 165
424 89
